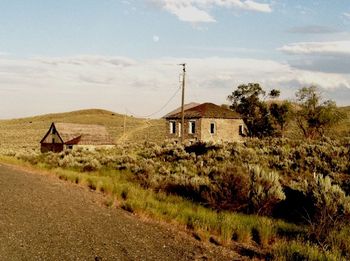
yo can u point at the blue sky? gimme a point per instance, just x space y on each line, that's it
122 55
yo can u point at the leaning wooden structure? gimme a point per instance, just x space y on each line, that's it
61 136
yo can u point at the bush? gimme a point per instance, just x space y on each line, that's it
332 209
265 190
245 177
228 188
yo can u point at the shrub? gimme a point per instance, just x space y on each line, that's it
332 209
265 190
228 188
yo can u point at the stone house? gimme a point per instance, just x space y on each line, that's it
61 136
206 122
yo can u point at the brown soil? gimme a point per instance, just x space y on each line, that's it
43 218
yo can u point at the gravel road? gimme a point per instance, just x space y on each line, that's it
44 218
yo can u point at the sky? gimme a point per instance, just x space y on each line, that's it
123 55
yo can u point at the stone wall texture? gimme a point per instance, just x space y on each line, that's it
226 130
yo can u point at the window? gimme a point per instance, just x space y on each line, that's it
192 127
241 130
53 140
212 128
70 147
172 127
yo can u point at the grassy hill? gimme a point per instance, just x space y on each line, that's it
27 132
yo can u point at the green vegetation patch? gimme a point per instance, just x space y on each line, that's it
226 193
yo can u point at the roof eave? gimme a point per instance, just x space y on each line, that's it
204 117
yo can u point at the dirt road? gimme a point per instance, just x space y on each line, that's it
43 218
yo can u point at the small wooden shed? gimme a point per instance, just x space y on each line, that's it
61 136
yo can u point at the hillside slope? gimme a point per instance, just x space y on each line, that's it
27 132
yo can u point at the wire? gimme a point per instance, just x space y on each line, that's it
159 110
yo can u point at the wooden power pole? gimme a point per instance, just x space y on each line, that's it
183 103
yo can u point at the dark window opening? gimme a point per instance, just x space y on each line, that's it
70 147
241 130
192 127
212 128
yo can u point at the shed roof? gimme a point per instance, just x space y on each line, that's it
206 110
83 134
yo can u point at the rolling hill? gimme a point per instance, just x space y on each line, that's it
26 133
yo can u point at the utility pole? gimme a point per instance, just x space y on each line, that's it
183 103
124 124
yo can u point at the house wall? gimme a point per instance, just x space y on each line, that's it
187 135
54 147
226 130
48 144
51 136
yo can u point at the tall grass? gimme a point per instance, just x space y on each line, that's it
296 250
225 226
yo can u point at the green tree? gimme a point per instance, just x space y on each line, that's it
274 93
246 100
314 117
281 114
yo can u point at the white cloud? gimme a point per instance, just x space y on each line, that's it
155 38
87 59
197 11
327 57
318 48
312 29
255 6
346 15
41 85
188 13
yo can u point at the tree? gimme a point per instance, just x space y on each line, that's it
246 100
281 114
313 117
274 93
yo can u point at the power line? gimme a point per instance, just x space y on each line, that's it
159 110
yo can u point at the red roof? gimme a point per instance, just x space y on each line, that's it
206 110
186 107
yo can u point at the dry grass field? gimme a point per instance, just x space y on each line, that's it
26 133
239 195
